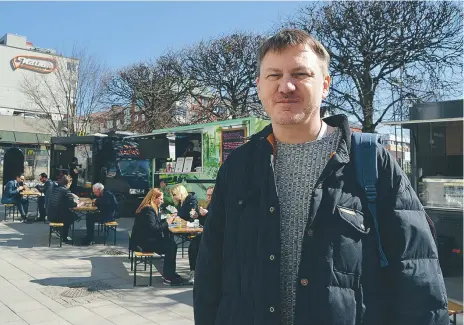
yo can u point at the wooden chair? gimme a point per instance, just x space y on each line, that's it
55 227
10 207
454 309
109 226
145 257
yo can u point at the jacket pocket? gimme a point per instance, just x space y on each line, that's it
354 218
349 232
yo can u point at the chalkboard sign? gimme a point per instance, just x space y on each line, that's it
231 139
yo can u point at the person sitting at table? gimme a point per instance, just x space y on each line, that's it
12 195
187 209
59 205
45 188
151 234
108 210
194 245
186 203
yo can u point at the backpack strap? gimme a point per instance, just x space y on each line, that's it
367 175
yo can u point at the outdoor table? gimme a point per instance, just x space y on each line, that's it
80 212
184 233
32 195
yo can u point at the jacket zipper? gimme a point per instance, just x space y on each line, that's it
273 174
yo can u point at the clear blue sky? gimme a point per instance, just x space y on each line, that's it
122 33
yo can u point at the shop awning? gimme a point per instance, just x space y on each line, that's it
24 137
438 120
43 138
7 137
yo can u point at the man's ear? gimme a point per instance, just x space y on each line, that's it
257 87
325 87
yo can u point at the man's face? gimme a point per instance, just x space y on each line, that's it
291 84
162 184
20 179
209 194
97 192
42 179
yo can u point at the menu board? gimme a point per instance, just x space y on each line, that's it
230 140
180 165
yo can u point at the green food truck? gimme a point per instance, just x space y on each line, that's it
194 153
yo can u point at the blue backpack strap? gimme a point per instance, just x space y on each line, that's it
365 161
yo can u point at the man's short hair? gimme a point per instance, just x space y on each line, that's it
286 38
65 180
44 175
211 187
98 186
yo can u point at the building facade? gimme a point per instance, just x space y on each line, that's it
29 77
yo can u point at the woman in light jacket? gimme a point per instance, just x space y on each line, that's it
187 209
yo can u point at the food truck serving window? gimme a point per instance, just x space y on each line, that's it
439 162
185 154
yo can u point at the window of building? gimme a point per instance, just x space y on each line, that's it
136 118
71 66
143 117
110 124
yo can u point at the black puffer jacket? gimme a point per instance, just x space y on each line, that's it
59 204
340 281
189 203
148 230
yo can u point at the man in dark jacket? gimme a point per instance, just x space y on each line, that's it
74 173
289 238
45 188
59 205
194 245
107 210
12 195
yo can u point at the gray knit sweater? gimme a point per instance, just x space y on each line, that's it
297 169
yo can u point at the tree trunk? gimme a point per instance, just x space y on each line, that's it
368 111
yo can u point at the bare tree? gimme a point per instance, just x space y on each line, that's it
154 88
223 72
71 94
385 53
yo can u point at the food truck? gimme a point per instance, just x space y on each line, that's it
193 154
436 132
117 163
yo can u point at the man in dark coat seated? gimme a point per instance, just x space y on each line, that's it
59 205
107 207
45 188
11 195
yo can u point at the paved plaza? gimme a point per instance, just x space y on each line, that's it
90 285
82 285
